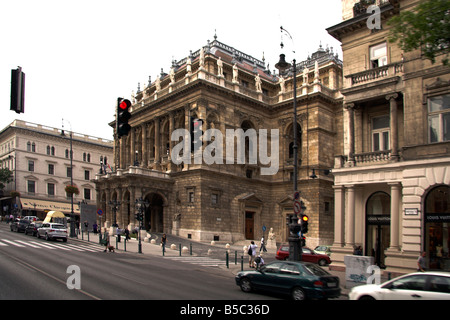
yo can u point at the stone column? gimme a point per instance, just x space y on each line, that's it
350 217
157 143
395 215
339 212
351 134
144 146
394 125
132 146
171 143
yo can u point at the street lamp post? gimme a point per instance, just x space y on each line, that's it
72 214
141 207
295 249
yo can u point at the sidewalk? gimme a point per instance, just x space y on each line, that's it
200 249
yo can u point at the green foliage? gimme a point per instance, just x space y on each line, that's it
5 177
427 27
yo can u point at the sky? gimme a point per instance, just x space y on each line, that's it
80 56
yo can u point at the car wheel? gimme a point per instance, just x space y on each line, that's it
366 298
47 237
298 294
37 235
64 239
246 285
322 262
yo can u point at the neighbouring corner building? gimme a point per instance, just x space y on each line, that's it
228 89
39 158
392 176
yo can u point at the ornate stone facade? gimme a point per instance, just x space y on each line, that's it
228 89
393 174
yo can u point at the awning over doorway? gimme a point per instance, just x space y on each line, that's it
41 205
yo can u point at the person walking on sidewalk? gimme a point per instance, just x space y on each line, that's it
263 245
251 254
163 242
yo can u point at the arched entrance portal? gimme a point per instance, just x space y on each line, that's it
154 216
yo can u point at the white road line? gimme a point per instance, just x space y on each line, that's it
43 245
13 243
27 243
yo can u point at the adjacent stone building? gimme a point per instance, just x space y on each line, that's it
392 173
39 158
229 200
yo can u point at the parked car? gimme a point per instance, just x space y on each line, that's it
323 250
31 218
414 286
19 225
33 227
301 280
52 231
308 255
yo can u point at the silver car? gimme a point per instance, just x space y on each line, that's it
414 286
52 231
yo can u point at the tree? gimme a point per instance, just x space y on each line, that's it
427 26
5 177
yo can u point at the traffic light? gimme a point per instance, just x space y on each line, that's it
17 90
139 216
196 134
123 115
304 223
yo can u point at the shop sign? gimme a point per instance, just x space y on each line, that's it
436 217
379 219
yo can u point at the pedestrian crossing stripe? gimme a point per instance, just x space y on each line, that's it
203 261
51 246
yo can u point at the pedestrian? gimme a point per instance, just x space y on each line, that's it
251 254
163 242
421 262
95 226
263 245
127 234
118 233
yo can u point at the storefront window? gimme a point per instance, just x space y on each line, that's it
437 234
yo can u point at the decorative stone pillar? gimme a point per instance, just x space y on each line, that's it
350 217
395 215
351 134
394 125
339 213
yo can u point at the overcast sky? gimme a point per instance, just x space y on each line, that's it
79 56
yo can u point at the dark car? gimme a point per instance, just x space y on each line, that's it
19 225
32 228
308 255
300 280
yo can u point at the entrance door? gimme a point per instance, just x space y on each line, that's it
378 237
249 225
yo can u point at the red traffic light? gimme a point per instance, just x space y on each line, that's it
124 104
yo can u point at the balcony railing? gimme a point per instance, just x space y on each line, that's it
364 159
389 70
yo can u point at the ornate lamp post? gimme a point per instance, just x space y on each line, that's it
141 207
295 249
72 214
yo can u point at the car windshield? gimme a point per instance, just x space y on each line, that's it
315 270
58 226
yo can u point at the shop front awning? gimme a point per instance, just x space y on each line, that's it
42 205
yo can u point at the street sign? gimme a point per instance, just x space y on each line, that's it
99 212
297 207
297 195
264 228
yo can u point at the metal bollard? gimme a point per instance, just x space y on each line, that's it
117 243
125 245
180 249
235 257
226 259
88 235
190 248
242 263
